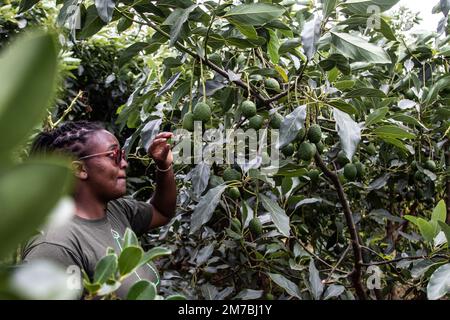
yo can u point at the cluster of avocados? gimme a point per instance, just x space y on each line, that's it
352 170
307 149
201 112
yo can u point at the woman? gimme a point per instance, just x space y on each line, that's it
102 215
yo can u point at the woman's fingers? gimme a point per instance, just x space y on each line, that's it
166 135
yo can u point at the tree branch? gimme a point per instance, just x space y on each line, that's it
357 252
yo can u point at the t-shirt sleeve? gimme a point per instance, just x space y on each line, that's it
138 213
53 252
61 256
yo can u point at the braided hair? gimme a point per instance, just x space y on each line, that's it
70 139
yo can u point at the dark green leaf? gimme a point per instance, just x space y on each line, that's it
105 269
205 208
333 291
290 287
273 46
26 5
92 23
142 290
359 49
328 7
255 14
149 132
390 131
365 92
363 6
131 51
279 217
315 282
130 239
249 294
376 116
176 20
153 254
129 259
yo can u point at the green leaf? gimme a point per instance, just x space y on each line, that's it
247 30
67 12
365 92
255 14
177 19
279 217
290 287
408 120
336 60
396 142
28 192
249 294
123 24
426 229
27 5
328 7
376 116
129 238
105 9
105 269
393 132
128 53
441 84
343 106
92 23
291 125
446 229
386 30
176 297
289 44
359 49
129 259
154 253
439 284
344 84
149 131
205 208
28 72
273 46
315 282
439 212
142 290
363 6
333 291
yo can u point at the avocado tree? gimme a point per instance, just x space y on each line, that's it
358 205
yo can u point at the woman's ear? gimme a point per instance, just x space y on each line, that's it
79 170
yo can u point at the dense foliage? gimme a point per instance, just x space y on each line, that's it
358 206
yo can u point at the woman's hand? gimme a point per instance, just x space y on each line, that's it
160 150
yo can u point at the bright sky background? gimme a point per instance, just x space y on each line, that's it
424 7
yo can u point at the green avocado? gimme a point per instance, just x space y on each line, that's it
202 112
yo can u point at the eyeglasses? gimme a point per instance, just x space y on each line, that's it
117 155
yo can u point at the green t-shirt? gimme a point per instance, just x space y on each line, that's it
83 242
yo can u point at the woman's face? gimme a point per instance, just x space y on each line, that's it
105 177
